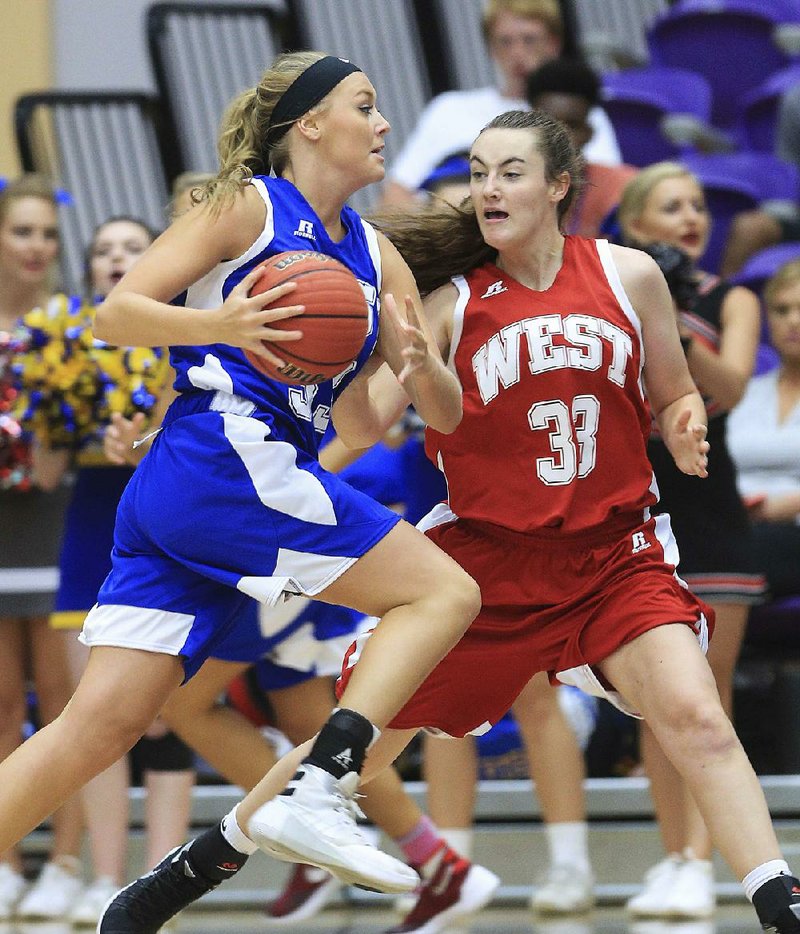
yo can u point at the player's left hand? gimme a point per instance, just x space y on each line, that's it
689 446
408 335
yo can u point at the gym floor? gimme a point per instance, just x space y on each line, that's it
730 919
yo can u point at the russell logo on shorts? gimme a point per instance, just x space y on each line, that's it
639 543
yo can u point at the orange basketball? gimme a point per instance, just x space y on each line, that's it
334 325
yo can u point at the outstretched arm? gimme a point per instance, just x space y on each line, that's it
375 399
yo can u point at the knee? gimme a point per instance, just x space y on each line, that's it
462 595
538 708
113 731
700 726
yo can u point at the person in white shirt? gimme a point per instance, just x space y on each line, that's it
764 440
521 35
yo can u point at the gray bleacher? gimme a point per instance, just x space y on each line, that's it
468 62
509 839
108 150
383 39
203 57
611 33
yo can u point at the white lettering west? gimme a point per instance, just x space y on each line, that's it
544 354
497 362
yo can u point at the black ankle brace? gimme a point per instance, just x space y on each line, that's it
777 903
342 743
212 856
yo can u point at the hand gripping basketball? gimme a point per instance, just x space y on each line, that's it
334 323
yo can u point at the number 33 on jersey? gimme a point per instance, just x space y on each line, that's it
554 411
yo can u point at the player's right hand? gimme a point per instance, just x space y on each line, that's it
243 320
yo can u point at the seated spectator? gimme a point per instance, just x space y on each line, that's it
758 229
570 92
764 440
449 181
521 35
752 231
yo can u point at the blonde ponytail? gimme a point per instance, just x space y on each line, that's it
242 146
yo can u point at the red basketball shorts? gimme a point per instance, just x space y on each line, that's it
558 603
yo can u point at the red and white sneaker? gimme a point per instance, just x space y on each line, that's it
456 889
306 893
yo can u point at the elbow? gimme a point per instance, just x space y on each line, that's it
102 325
449 422
733 393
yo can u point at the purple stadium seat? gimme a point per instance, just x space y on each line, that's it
773 178
766 359
764 264
730 42
639 99
758 121
775 624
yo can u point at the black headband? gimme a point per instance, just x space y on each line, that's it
304 92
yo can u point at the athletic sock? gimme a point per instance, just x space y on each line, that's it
458 839
568 844
421 842
342 743
763 873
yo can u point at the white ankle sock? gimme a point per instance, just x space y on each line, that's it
458 839
763 873
234 834
568 844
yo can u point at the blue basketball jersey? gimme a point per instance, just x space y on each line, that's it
300 414
231 502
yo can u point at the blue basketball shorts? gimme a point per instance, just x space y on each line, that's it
222 510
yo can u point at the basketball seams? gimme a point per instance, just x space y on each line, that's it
334 293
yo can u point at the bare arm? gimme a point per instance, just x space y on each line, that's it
725 375
137 311
375 399
49 465
410 347
674 399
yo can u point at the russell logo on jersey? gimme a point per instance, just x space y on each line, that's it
305 229
496 288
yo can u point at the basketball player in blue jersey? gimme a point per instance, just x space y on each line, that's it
231 503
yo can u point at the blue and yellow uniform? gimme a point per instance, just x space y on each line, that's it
230 502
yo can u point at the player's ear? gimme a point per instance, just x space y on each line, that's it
309 125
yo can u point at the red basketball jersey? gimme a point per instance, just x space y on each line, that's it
555 421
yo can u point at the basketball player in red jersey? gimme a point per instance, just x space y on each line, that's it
554 340
563 345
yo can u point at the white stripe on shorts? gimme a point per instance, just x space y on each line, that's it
134 627
280 484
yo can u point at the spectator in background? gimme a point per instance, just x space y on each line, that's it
32 503
757 229
521 35
449 180
719 324
764 439
752 231
570 92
